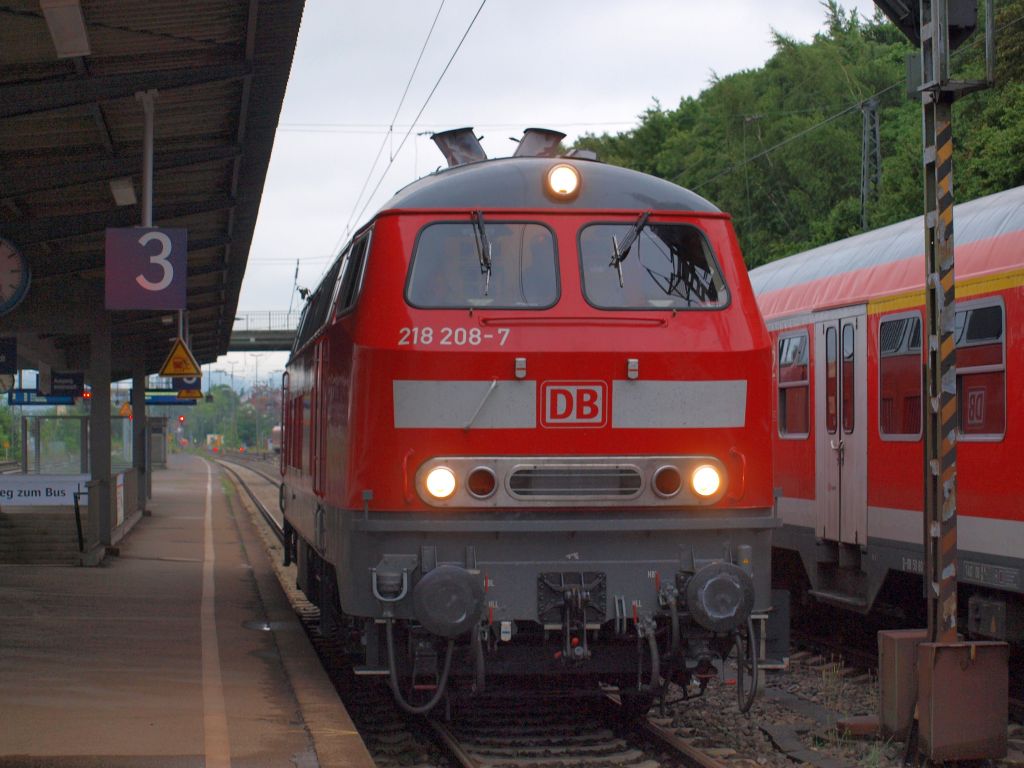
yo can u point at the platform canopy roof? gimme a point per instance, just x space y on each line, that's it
71 123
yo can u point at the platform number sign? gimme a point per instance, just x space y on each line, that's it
146 268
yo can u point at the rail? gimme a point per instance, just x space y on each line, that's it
275 526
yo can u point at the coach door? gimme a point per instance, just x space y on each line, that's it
840 351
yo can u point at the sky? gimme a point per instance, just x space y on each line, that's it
578 66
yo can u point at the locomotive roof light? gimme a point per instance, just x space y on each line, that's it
440 482
563 182
706 480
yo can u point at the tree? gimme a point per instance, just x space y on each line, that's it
779 147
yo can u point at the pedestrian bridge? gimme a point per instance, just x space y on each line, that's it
264 331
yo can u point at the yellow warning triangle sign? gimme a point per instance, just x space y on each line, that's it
180 362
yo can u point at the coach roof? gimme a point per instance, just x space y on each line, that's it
889 260
518 182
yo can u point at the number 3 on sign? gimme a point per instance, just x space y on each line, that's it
160 258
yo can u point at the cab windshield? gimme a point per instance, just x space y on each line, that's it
644 265
483 263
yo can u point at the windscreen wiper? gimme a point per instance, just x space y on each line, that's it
621 250
483 248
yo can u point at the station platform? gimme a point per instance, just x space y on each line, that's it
181 650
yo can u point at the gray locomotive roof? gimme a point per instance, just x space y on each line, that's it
979 219
517 182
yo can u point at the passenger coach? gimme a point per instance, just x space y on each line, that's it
846 324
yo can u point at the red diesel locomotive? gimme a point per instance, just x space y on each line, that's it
846 320
527 432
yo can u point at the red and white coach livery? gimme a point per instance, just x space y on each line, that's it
846 320
527 434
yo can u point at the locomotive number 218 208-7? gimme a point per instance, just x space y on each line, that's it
450 337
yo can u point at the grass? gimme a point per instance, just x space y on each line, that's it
833 694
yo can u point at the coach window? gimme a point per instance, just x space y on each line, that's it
483 263
981 369
831 390
293 436
899 377
794 386
848 357
661 266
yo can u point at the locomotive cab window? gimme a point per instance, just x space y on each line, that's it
483 263
980 370
899 377
350 276
647 265
794 386
315 313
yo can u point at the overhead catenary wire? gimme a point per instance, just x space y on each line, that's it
426 101
736 166
390 129
379 128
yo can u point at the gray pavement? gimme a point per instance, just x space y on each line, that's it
181 651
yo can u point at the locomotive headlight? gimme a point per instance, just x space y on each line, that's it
705 480
440 482
563 182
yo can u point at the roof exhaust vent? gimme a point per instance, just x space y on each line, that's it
459 146
539 142
581 154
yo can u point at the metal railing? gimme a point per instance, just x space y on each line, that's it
267 320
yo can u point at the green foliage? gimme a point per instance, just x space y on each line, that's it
780 147
10 444
241 421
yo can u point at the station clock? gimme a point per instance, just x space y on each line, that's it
15 276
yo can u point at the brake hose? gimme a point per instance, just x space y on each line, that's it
442 683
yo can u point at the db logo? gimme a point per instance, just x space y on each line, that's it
573 403
976 406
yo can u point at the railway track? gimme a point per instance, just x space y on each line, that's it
500 731
550 733
272 521
539 734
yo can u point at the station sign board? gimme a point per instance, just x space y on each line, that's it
145 268
32 397
40 490
67 383
186 382
167 397
188 387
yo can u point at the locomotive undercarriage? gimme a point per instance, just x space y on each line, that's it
633 601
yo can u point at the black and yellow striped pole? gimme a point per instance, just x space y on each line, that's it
949 727
940 517
938 26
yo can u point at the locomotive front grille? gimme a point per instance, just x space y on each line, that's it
575 482
565 481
